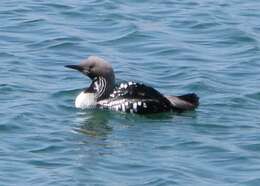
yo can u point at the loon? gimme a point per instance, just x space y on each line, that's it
130 97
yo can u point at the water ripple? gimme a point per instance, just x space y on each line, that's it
211 48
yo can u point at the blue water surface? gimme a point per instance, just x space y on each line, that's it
208 47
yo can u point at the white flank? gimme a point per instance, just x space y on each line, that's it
85 100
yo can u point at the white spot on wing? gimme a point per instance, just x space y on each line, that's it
123 107
135 107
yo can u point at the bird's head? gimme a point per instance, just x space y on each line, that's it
95 67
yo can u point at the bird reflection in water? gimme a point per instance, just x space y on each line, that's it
94 123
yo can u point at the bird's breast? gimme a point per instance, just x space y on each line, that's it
85 100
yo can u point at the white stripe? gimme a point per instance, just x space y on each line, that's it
96 86
101 84
104 86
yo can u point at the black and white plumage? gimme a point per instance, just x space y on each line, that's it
126 97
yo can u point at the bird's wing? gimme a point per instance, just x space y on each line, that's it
138 91
137 98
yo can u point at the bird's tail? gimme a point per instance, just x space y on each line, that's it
191 98
184 102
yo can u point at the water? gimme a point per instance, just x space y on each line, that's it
208 47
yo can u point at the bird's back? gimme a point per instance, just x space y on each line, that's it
136 98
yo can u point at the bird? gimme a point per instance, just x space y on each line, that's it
129 97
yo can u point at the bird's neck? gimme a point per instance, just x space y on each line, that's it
102 87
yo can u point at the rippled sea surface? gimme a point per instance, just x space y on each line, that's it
208 47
